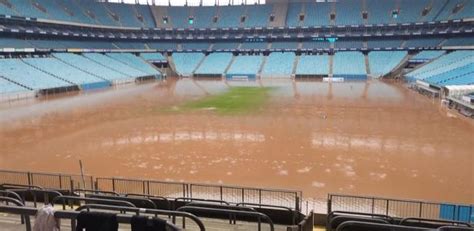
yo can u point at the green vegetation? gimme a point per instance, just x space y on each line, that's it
237 100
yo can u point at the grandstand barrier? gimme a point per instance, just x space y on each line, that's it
241 77
351 77
95 86
5 97
47 180
58 90
400 208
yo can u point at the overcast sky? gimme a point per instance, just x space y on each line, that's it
190 2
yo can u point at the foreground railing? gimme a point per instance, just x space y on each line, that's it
232 194
400 208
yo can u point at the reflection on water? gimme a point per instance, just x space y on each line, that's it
176 137
365 137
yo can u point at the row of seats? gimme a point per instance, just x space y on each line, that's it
346 12
222 46
383 62
284 64
63 70
455 68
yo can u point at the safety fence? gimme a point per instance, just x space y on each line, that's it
232 194
400 208
47 180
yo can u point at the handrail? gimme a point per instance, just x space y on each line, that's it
95 191
142 210
27 212
293 220
12 200
452 223
234 207
257 215
373 215
151 197
21 186
85 199
35 191
123 198
346 224
451 228
184 199
391 199
7 192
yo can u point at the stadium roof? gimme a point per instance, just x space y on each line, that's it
190 2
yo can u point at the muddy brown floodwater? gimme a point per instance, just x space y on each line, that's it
367 138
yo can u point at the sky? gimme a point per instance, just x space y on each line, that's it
190 2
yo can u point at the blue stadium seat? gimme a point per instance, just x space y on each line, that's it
383 62
356 69
317 14
186 63
313 65
7 87
294 10
135 62
229 16
90 66
22 73
279 65
258 15
153 57
246 65
214 64
64 71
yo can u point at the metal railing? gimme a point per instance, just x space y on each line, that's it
392 207
306 224
231 212
47 180
136 186
71 215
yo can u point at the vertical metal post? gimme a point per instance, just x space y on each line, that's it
373 205
243 198
113 184
60 182
30 179
260 196
421 209
221 192
143 187
386 208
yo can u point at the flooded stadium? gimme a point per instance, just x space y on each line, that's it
364 138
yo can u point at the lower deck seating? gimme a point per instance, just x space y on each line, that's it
20 72
62 70
135 62
455 68
313 65
90 66
383 62
246 65
186 63
349 64
7 87
279 64
153 57
115 65
214 64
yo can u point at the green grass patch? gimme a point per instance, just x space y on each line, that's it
237 100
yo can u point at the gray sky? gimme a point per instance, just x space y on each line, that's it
190 2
